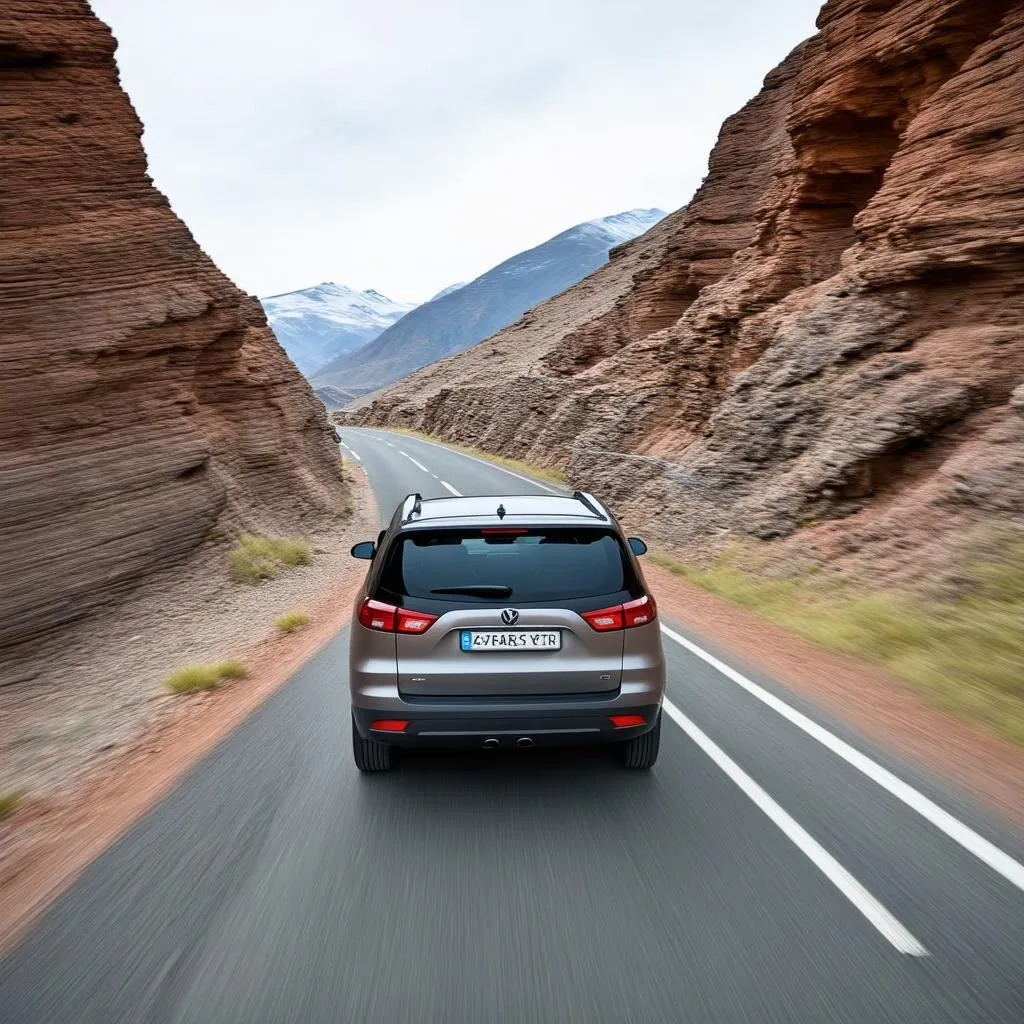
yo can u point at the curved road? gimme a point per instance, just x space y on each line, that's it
772 868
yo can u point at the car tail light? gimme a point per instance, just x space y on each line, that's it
487 530
390 725
605 619
640 612
414 622
386 618
377 615
623 616
625 721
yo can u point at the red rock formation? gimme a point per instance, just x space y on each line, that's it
144 399
829 333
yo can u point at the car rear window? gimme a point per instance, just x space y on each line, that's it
537 564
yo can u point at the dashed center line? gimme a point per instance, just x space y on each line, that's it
875 912
448 486
418 465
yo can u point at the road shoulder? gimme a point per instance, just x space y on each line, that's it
883 709
47 843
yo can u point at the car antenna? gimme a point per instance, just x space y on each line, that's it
501 511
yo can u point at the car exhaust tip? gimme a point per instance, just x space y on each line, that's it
492 743
523 742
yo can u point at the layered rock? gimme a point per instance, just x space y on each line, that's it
823 345
144 399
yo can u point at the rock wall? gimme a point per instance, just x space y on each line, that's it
822 347
143 399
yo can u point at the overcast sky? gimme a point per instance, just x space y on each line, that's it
404 145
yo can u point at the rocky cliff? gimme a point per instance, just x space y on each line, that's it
144 400
824 345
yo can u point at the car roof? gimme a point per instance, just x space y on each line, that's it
578 509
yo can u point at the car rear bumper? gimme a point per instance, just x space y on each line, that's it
535 725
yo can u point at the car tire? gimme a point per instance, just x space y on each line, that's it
369 755
642 751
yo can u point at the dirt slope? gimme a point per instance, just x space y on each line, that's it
825 344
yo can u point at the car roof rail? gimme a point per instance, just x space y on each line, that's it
585 501
417 506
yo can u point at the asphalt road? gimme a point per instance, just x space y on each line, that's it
763 872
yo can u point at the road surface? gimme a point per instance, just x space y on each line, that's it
772 868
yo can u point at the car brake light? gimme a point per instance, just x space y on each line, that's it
640 612
605 619
414 622
504 529
623 616
390 725
377 615
625 721
386 618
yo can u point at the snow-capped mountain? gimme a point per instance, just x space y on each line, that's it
318 324
460 317
447 291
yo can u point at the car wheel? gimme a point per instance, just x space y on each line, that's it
369 755
642 751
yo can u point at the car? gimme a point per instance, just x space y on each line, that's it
504 621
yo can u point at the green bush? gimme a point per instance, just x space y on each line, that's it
9 803
204 677
231 669
291 621
256 558
192 678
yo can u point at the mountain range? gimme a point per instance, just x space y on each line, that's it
318 324
463 315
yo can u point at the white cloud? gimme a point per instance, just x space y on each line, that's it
403 145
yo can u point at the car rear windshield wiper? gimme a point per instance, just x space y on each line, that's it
479 589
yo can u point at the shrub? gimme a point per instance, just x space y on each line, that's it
231 669
291 621
205 677
192 678
256 558
9 803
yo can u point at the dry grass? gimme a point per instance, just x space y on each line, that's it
231 669
10 802
289 622
526 468
256 558
204 677
965 653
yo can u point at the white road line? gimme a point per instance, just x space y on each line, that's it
448 486
988 853
493 465
419 465
355 454
870 907
389 444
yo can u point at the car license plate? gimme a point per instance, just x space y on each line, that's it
511 640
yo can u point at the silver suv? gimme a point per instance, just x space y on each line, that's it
507 621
